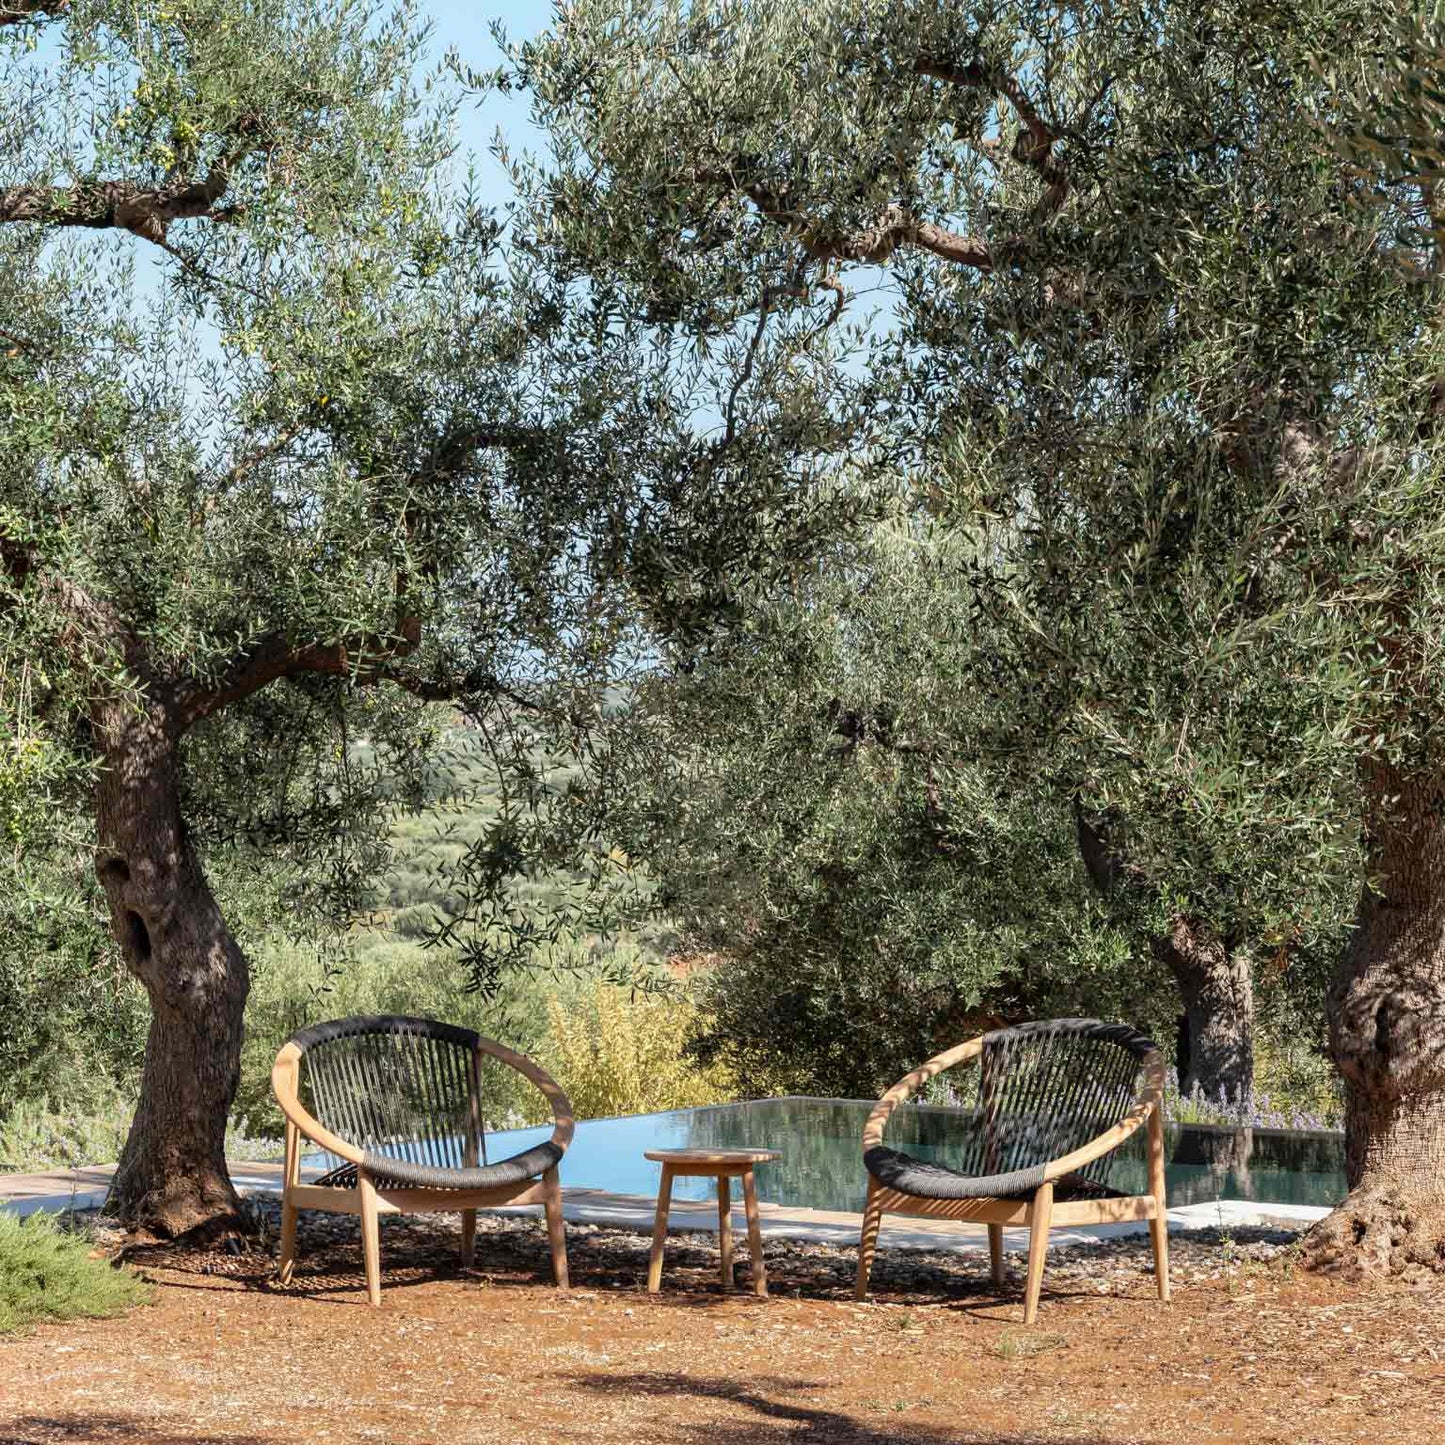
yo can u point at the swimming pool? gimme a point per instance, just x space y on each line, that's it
822 1166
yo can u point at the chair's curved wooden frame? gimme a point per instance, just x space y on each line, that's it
371 1200
1039 1211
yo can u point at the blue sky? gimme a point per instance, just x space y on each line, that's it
466 28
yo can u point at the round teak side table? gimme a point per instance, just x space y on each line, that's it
722 1165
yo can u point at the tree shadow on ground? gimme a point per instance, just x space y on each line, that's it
111 1430
779 1421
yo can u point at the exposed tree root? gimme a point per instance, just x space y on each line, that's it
1385 1229
203 1210
238 1234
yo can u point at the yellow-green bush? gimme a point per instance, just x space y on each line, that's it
616 1051
1296 1081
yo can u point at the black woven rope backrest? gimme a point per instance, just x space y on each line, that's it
404 1087
1047 1088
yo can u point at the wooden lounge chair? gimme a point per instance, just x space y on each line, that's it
398 1102
1055 1098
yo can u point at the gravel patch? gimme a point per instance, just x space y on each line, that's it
605 1256
1251 1349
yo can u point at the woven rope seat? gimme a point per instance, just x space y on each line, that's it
1055 1098
397 1104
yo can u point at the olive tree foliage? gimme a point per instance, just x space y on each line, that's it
363 450
871 892
1170 359
1389 103
787 154
825 802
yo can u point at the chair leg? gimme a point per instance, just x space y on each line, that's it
288 1238
469 1237
1159 1233
1039 1212
659 1231
868 1238
289 1177
725 1230
995 1253
556 1229
1159 1225
370 1235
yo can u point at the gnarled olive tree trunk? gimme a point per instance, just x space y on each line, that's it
1387 1033
172 1176
1217 990
1215 984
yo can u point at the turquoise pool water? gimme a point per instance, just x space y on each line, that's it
822 1168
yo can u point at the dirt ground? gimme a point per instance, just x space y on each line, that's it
1250 1350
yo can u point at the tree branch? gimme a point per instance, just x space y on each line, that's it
1101 862
975 75
144 211
274 448
15 345
456 450
1034 145
17 12
476 683
91 631
276 656
743 376
897 227
367 661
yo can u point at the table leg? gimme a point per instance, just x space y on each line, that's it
755 1236
725 1229
659 1230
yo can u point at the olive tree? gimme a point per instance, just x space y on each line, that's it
806 800
360 449
1171 359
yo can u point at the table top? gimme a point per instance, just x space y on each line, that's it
711 1156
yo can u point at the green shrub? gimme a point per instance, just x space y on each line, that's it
74 1022
48 1273
1294 1071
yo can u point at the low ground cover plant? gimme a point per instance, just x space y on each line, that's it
48 1272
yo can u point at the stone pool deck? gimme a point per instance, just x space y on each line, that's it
86 1188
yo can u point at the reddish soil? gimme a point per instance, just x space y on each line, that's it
1250 1350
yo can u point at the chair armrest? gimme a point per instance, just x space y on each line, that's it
553 1091
878 1119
